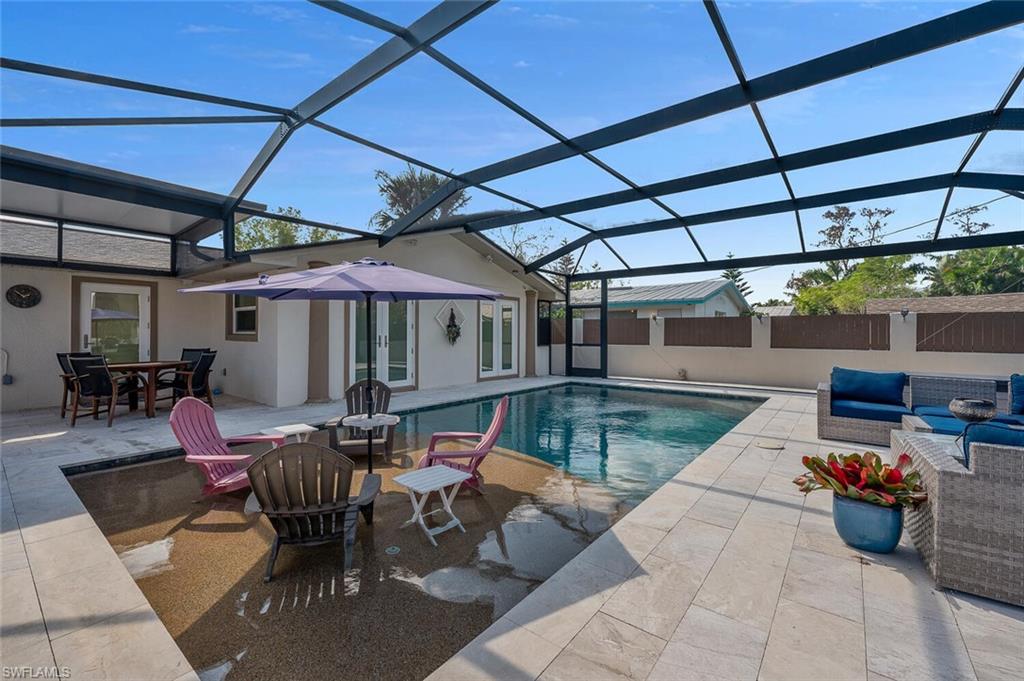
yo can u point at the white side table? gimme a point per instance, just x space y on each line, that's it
432 479
301 431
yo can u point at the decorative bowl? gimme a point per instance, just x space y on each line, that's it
972 410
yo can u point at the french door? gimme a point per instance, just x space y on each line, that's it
114 321
394 337
499 338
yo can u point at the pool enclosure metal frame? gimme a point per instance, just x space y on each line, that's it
420 37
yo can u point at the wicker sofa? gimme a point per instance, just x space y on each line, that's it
926 401
970 532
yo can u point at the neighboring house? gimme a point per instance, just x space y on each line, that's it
709 298
775 310
114 290
991 302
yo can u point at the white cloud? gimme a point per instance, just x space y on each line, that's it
275 12
209 28
556 20
361 41
521 64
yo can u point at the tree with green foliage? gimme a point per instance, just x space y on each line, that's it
258 232
403 191
976 271
771 302
734 275
884 277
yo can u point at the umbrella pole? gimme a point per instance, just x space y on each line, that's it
369 384
369 399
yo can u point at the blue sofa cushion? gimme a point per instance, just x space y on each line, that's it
925 410
991 433
1012 419
945 425
1017 393
873 411
868 386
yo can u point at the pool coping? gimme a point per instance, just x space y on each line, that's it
87 614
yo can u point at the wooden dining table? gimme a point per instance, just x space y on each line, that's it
150 369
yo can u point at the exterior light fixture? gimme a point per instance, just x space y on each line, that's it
904 311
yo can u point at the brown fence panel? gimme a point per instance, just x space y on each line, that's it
1001 332
832 332
558 331
719 332
591 332
632 331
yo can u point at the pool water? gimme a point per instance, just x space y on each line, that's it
629 441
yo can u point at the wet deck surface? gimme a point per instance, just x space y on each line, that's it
368 612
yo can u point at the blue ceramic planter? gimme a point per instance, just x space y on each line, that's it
865 526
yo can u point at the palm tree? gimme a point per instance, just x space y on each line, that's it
405 190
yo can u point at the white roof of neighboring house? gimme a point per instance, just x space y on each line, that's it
775 310
685 293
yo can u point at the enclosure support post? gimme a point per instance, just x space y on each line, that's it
604 328
568 329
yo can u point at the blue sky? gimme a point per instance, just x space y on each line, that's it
577 65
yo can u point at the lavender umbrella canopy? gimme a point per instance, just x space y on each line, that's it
368 280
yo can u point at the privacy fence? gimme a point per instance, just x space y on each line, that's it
987 332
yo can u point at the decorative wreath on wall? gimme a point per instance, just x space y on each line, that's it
452 328
451 319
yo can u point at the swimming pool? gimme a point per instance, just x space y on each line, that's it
629 441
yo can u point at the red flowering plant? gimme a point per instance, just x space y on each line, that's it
865 478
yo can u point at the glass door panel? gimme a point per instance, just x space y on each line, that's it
358 342
396 343
115 321
486 338
499 340
393 343
507 338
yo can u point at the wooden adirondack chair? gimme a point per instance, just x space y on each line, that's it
195 427
303 489
467 460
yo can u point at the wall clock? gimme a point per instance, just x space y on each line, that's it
23 295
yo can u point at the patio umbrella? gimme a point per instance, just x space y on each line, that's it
369 280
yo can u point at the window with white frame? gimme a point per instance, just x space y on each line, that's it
243 316
499 338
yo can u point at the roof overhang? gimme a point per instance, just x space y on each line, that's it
59 189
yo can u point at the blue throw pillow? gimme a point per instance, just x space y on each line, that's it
993 434
1017 393
868 386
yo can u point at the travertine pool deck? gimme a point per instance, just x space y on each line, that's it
726 572
729 573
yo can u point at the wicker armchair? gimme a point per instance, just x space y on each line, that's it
970 532
846 429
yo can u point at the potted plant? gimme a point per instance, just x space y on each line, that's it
868 497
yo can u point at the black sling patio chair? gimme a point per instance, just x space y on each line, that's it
190 381
93 383
67 377
303 489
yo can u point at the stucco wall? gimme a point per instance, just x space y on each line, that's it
274 369
33 337
763 365
438 362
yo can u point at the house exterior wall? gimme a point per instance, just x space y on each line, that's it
32 337
274 368
438 362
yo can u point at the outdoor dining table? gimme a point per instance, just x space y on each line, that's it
150 369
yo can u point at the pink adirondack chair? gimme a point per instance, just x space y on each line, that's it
467 460
196 429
